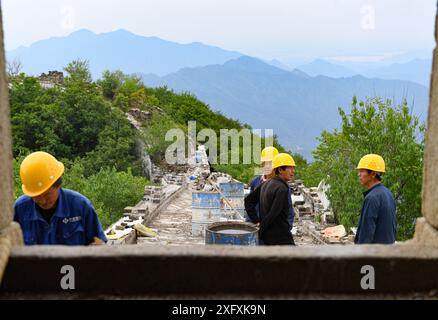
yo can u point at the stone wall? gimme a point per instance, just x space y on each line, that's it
51 79
10 232
212 271
426 229
155 200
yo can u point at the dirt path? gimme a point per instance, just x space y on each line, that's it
174 225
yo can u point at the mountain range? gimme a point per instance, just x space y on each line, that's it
296 103
417 70
119 49
297 106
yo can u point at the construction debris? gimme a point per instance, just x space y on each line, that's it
313 225
313 214
144 231
334 233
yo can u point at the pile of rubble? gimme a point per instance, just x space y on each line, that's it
311 202
203 180
51 79
140 115
314 216
174 178
200 176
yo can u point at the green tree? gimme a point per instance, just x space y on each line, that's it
374 126
109 190
16 162
111 82
151 100
115 147
154 135
130 85
137 99
301 165
37 119
78 71
87 115
70 122
121 102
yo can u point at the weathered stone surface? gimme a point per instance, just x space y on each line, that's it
142 210
10 237
174 224
430 176
13 233
52 79
425 234
128 210
273 271
5 250
6 194
140 114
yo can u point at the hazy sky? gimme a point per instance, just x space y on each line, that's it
268 29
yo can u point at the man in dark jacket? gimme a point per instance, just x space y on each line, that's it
266 157
377 222
275 203
253 199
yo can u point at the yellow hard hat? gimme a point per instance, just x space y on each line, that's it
372 162
283 159
268 154
38 172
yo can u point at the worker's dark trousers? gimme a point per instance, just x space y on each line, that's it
261 243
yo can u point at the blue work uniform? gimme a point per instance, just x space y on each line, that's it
377 222
74 221
257 181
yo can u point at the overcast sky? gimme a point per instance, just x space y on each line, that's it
267 29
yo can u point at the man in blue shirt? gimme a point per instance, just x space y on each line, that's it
377 222
49 214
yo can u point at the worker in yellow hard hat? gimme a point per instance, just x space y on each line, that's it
377 223
275 202
50 214
266 156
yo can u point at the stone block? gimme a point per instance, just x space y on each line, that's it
142 210
425 233
13 233
128 210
